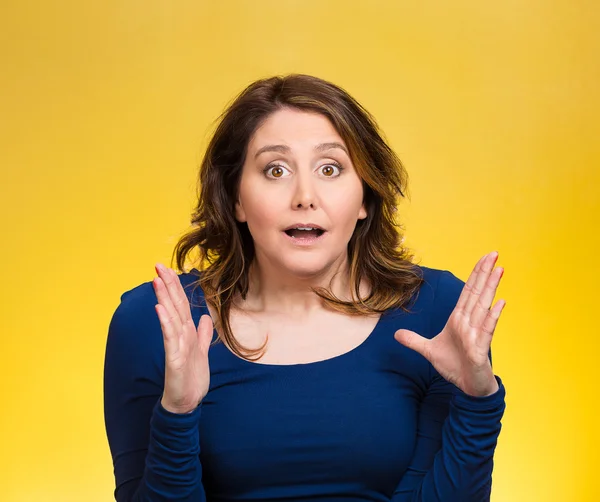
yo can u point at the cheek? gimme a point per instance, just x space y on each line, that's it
261 211
344 205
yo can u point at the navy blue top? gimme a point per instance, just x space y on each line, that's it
377 423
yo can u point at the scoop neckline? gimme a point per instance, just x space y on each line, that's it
348 353
330 360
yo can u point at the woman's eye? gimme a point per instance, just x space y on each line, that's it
331 170
279 171
275 171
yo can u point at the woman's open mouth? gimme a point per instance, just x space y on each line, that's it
304 235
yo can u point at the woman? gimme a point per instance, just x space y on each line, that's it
338 369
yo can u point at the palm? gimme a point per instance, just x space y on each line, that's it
187 364
187 373
455 357
460 351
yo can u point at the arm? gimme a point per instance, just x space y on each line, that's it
155 452
457 433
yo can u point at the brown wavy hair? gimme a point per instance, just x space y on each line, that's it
225 246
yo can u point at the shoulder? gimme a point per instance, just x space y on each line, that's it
445 285
436 297
142 298
135 325
440 281
134 343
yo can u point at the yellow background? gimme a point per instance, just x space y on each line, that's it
105 108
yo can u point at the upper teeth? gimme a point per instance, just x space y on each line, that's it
305 228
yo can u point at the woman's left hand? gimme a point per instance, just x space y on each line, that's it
459 352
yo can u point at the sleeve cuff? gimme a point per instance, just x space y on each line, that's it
483 403
167 419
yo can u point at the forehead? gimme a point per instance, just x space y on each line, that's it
295 128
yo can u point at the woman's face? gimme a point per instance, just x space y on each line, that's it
298 174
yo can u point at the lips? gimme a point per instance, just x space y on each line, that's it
296 226
300 233
304 233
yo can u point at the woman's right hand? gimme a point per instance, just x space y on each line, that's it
187 374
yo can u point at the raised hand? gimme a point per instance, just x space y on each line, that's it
459 352
187 374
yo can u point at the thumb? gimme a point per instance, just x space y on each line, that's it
205 332
413 341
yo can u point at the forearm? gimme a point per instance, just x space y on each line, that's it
461 470
172 469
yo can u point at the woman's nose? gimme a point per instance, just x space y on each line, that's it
304 194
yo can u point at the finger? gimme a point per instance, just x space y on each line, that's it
486 267
170 338
482 307
162 294
491 320
466 291
205 332
413 341
180 300
169 297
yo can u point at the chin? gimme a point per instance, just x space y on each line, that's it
306 268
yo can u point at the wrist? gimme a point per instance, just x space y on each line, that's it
180 410
485 390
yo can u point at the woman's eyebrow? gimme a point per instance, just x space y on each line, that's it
286 149
329 146
273 148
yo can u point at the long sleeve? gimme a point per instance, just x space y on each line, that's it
457 433
155 452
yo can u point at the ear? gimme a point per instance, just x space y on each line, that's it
240 214
362 213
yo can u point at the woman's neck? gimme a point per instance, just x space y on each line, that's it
280 291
